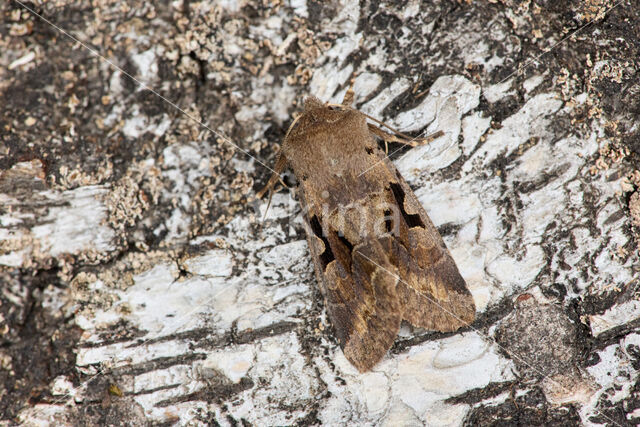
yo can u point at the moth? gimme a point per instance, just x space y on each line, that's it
378 258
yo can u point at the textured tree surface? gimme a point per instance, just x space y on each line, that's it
140 282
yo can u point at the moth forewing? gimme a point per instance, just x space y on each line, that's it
377 256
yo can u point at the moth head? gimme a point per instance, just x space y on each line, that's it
311 114
313 103
317 120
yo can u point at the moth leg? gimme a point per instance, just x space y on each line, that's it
349 94
400 137
281 163
386 137
264 217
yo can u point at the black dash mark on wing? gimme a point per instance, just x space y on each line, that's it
326 256
411 220
346 242
388 221
343 249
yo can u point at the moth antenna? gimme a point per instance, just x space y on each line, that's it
403 139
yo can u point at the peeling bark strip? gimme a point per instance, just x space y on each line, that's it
377 255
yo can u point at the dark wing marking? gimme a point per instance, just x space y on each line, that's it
432 292
360 288
403 271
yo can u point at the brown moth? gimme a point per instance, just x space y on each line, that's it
377 255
